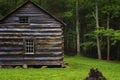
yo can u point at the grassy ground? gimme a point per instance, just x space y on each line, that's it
78 69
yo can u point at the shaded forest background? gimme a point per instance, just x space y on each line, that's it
65 10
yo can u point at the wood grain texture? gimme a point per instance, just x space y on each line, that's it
44 30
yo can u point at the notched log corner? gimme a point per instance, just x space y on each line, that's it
64 65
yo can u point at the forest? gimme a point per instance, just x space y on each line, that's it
92 25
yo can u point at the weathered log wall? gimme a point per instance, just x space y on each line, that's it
43 28
48 44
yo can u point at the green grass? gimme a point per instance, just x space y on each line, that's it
78 69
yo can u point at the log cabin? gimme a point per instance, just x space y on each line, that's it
29 35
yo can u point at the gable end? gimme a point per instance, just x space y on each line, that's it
28 2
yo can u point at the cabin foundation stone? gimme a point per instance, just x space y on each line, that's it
25 66
44 66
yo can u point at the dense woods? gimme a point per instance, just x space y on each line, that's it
99 24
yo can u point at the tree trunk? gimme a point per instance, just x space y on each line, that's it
97 37
77 28
108 39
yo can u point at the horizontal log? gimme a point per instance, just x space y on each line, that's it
11 44
14 25
30 34
46 45
47 63
55 38
31 58
7 53
33 15
13 47
34 54
29 55
6 49
12 37
37 37
48 40
28 30
43 54
26 11
16 38
46 25
20 54
27 27
19 43
49 48
43 58
8 59
49 43
48 53
11 40
12 63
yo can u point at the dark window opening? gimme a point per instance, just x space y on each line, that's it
23 19
29 46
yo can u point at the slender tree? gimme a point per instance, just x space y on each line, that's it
77 27
96 16
108 39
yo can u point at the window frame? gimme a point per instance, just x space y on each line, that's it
27 45
23 19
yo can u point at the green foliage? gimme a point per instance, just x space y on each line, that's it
102 32
68 14
116 37
86 45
